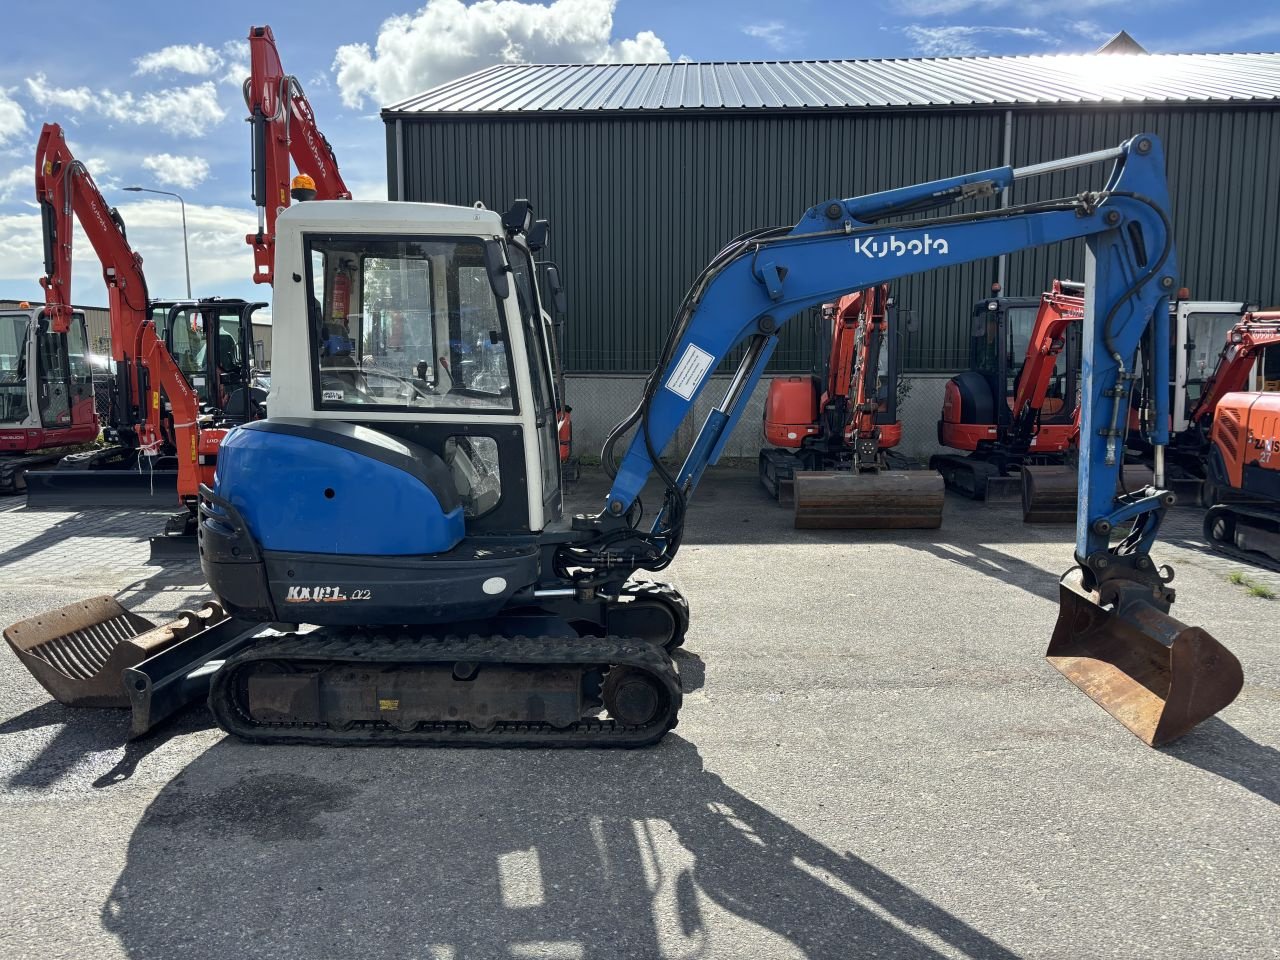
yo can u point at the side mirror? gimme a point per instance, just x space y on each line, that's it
495 263
539 235
558 300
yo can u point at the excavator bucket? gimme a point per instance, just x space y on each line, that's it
1050 494
1151 672
895 499
78 652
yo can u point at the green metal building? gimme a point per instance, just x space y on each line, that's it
646 170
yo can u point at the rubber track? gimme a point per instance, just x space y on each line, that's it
363 648
1263 560
11 467
669 595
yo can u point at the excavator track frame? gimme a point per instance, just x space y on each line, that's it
1235 512
369 654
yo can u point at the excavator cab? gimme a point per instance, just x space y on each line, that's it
211 341
46 387
980 409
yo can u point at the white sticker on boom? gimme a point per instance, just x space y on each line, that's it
688 374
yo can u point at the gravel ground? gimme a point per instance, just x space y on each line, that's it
873 760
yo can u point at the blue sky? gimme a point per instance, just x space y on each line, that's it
150 92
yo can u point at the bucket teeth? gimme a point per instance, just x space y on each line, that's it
77 652
1154 674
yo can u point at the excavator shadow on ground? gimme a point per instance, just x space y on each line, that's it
471 854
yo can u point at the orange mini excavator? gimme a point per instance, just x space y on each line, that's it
1244 458
830 435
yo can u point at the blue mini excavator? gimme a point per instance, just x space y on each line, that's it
403 497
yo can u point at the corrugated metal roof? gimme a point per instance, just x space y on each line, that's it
844 84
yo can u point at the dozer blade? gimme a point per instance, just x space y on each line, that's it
79 651
1050 493
1151 672
893 499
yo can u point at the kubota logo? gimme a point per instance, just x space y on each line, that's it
891 246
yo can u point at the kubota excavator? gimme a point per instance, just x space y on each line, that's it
408 506
830 435
1244 454
46 392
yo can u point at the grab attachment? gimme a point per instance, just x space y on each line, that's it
1151 672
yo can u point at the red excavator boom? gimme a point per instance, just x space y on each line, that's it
144 368
284 127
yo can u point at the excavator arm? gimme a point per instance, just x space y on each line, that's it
144 367
284 127
762 280
1114 637
1059 308
859 326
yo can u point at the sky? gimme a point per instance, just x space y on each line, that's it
150 95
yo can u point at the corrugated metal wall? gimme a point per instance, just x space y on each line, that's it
639 203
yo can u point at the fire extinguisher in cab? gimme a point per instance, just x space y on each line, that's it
341 298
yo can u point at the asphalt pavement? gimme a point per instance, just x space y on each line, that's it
873 760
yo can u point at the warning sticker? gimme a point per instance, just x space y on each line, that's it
332 395
687 376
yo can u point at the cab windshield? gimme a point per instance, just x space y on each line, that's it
406 323
1206 338
13 388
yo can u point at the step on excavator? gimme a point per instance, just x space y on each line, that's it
1243 520
46 392
831 436
409 509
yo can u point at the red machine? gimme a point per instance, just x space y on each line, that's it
1244 454
284 127
158 407
828 434
46 391
1017 404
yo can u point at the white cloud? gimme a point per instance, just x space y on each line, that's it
447 39
13 119
963 41
774 32
15 182
73 98
1089 30
184 111
177 171
220 259
235 54
196 59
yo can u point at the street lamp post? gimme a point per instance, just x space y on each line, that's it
186 258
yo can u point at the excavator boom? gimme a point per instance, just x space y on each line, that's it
284 127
